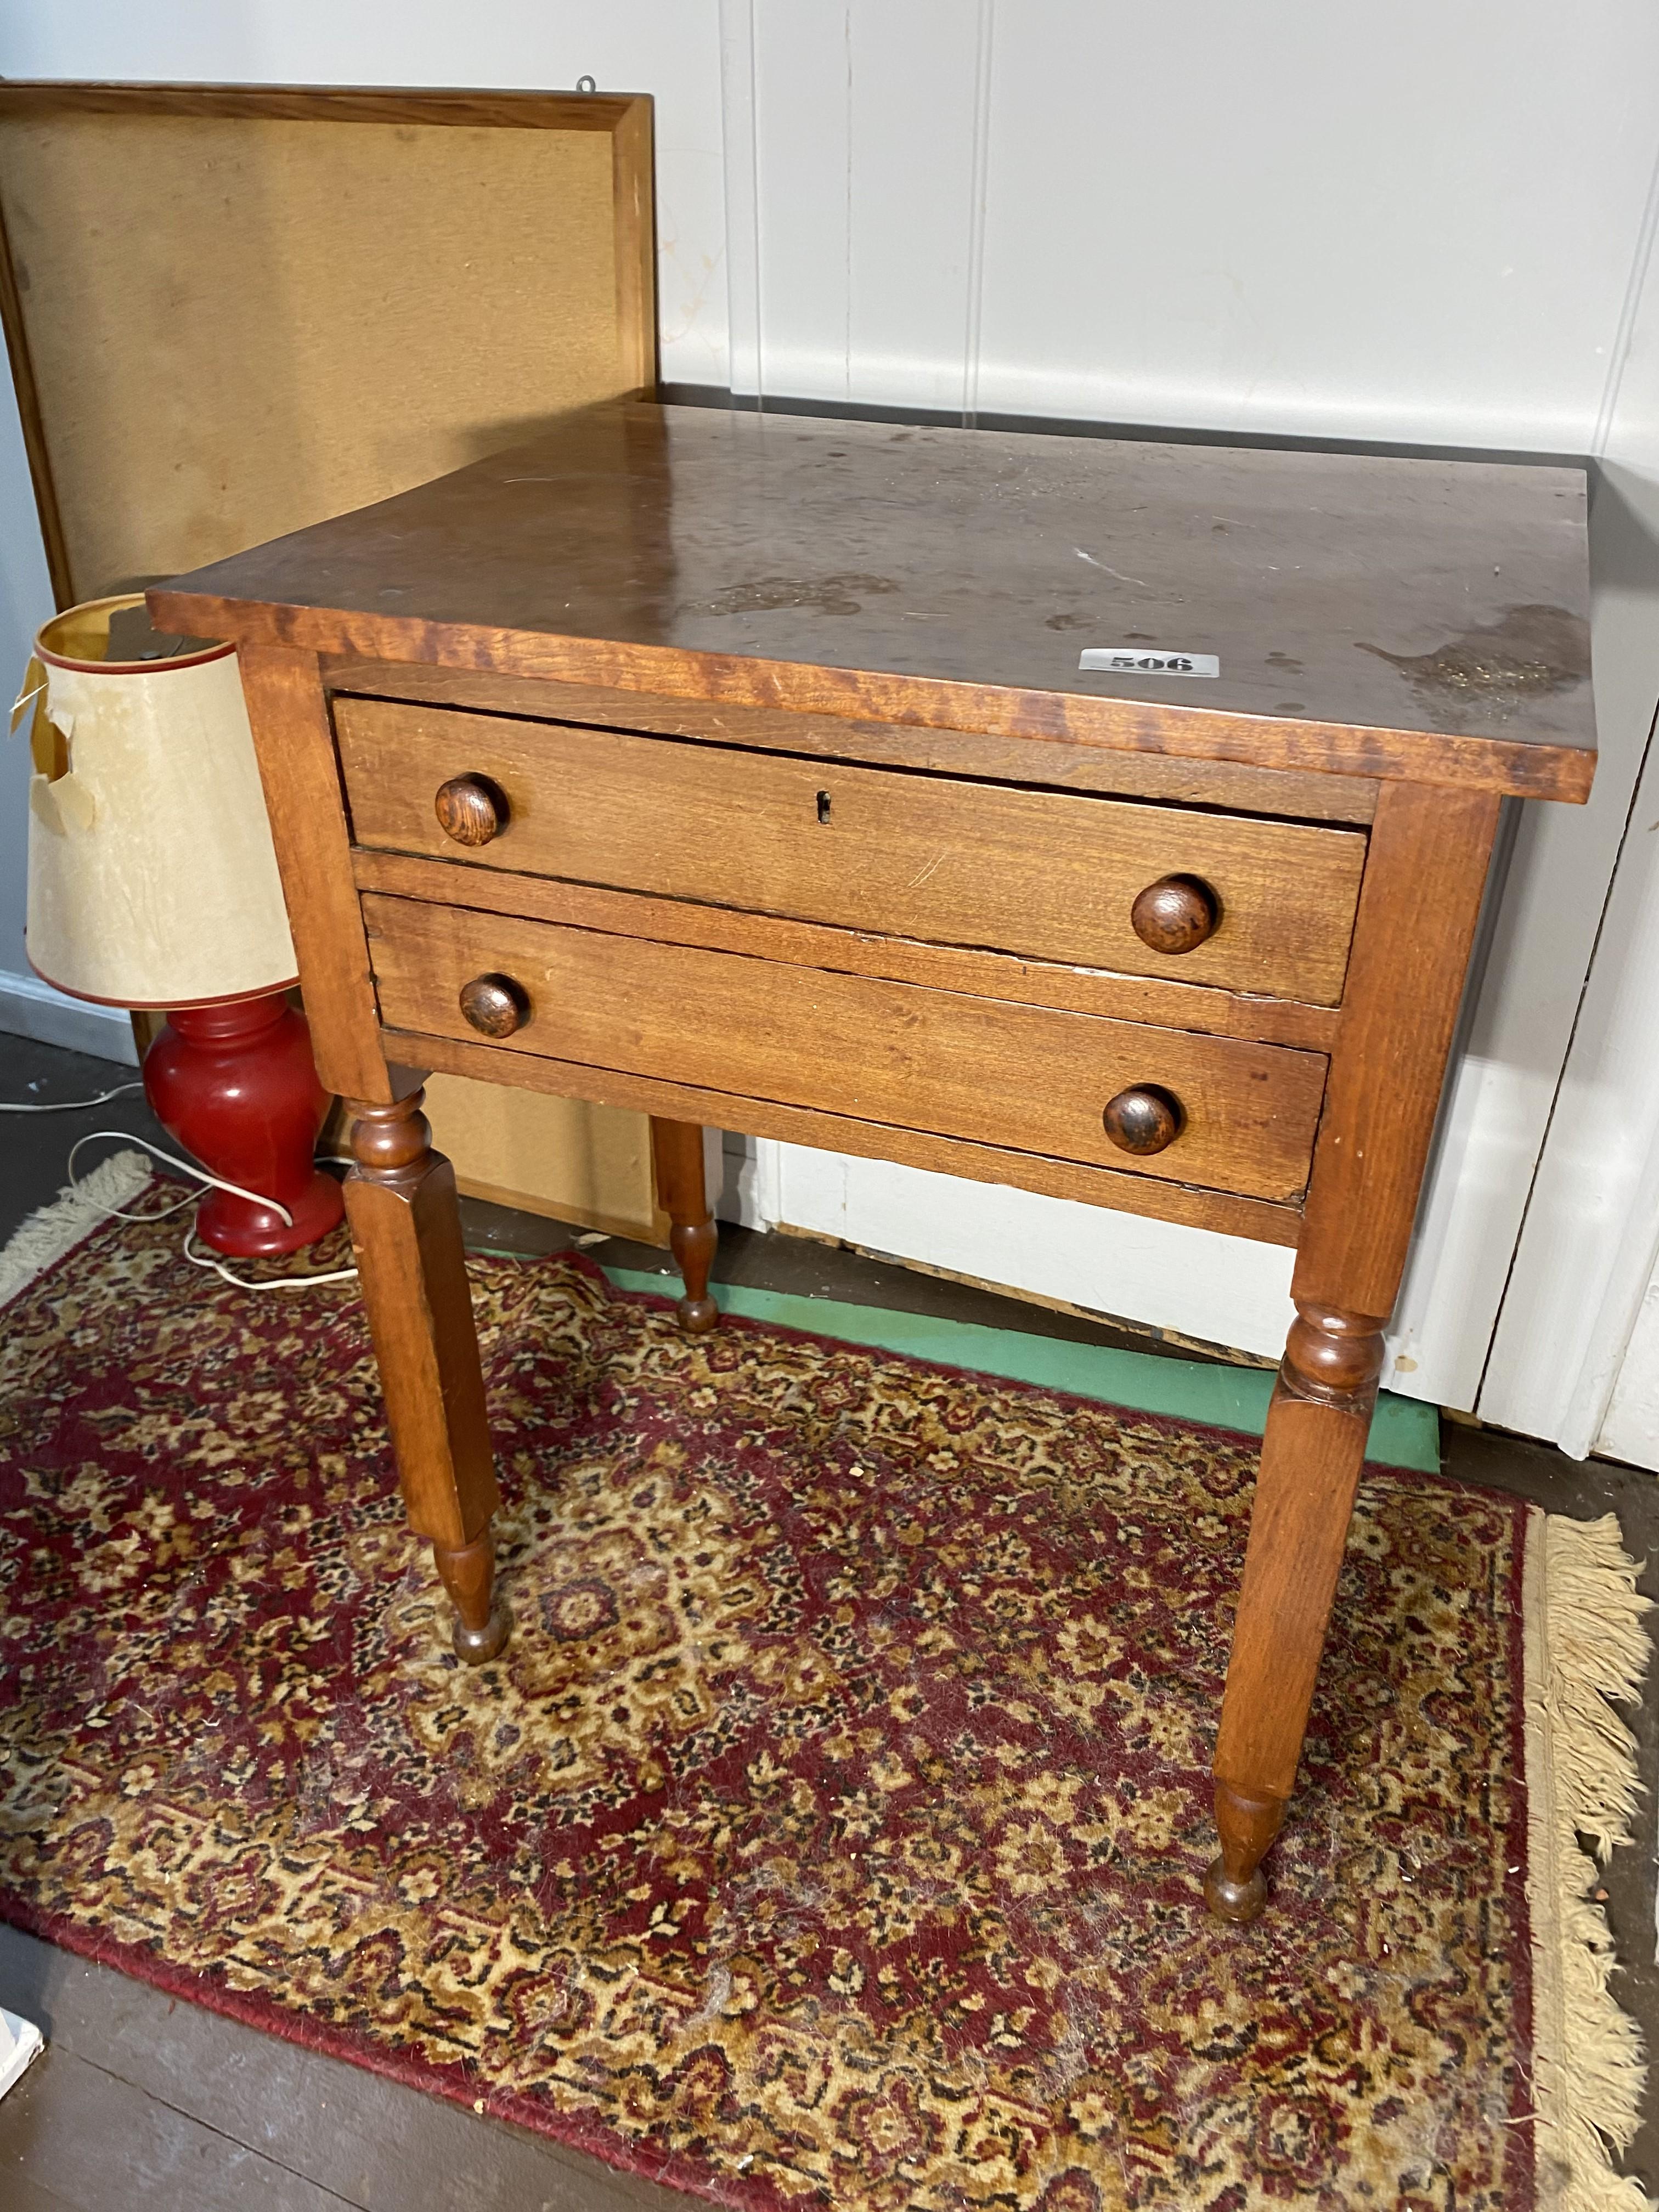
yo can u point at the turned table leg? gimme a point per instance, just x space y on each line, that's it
1419 905
1311 1456
400 1199
400 1195
682 1187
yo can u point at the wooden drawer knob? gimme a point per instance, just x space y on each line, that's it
1176 914
494 1004
471 809
1143 1120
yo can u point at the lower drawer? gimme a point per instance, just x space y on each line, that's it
1029 1078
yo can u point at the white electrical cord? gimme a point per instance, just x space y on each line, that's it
66 1105
126 1136
191 1198
273 1282
117 1212
194 1197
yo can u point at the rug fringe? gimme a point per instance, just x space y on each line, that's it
74 1213
1585 1644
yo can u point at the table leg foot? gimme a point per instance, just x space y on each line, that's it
482 1620
681 1188
694 1246
1235 1887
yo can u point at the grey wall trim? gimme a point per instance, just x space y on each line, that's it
30 1008
951 418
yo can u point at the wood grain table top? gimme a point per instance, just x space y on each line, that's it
1372 615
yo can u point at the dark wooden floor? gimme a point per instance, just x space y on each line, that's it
143 2102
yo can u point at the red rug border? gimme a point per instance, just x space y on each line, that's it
599 2142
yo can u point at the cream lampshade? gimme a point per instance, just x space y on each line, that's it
152 879
153 883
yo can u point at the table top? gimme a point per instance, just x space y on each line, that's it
1370 615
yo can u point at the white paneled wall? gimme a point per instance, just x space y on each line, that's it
1416 224
863 127
1410 221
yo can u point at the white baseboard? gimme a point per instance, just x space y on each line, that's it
30 1008
747 1187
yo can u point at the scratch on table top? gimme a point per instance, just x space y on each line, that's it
1117 572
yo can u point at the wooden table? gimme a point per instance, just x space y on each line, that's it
741 768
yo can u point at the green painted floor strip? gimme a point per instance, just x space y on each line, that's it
1404 1432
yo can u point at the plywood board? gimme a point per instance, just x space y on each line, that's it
238 324
563 1158
233 312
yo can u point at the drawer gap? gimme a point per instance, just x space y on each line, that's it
997 974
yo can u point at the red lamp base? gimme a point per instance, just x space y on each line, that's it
236 1086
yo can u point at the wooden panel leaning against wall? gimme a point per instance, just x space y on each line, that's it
237 307
564 1158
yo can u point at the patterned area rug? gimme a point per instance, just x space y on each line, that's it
831 1831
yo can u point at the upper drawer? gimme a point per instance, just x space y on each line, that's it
1048 874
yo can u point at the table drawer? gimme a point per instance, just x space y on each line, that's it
1053 875
1030 1077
